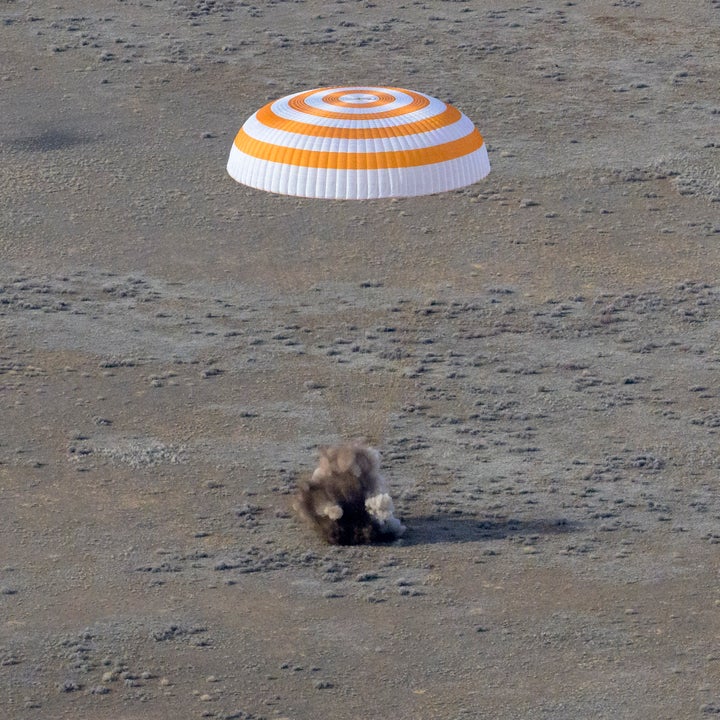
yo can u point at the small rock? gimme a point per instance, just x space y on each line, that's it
366 577
69 686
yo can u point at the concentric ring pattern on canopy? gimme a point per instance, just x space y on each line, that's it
358 143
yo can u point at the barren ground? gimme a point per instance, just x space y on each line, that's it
537 356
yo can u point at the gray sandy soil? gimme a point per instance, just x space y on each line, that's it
537 356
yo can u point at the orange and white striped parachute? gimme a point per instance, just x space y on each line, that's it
358 143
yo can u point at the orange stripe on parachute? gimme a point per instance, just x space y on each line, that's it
357 160
297 102
267 117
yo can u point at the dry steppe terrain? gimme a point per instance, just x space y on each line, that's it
537 356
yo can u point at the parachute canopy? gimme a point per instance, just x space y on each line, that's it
358 143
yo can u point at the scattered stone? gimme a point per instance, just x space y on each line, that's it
69 686
366 577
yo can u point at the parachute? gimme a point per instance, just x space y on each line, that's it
358 143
